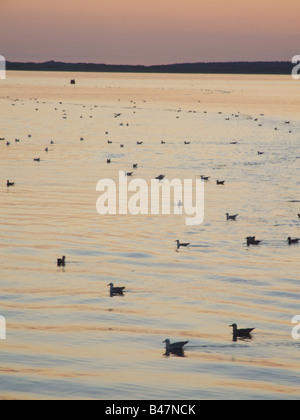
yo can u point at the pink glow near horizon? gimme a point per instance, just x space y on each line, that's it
149 32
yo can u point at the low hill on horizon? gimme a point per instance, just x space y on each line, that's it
238 67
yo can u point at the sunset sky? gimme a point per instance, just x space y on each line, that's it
149 31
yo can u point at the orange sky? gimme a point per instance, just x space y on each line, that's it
149 32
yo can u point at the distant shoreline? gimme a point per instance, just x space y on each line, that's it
239 67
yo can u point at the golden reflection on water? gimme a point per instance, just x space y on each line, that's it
63 328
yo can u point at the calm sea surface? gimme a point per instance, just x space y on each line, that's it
65 336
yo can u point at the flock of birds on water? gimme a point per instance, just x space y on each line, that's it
176 348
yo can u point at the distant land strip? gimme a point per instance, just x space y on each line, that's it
242 67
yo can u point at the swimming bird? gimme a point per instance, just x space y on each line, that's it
231 217
179 244
115 290
109 141
241 333
108 160
9 184
160 177
163 142
61 262
174 346
252 241
292 241
205 178
220 182
187 142
135 165
139 142
260 153
46 149
36 159
129 173
298 214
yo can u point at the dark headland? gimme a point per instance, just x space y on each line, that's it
243 67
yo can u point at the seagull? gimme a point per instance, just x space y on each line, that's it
115 290
252 241
9 184
292 241
220 182
176 348
160 177
241 333
231 217
61 262
179 244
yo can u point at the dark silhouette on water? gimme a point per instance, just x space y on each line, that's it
61 262
231 217
9 184
160 177
252 241
292 241
241 333
115 290
220 182
179 244
175 348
